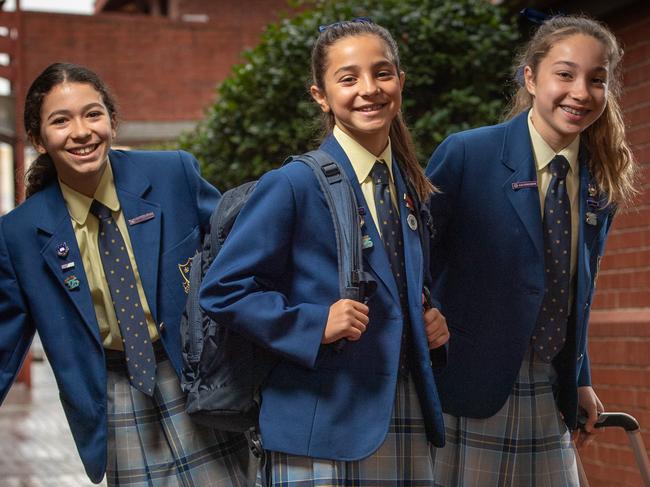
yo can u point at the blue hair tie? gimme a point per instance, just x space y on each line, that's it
534 16
538 18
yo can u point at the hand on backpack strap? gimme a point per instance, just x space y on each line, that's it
435 326
347 319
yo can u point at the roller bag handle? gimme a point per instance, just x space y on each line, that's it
632 428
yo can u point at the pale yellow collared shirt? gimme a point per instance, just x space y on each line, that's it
362 162
86 228
543 155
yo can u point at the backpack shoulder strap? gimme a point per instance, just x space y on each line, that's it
221 221
224 215
353 282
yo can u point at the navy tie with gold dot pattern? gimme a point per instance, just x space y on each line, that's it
549 335
390 227
138 350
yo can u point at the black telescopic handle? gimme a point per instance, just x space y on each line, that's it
608 420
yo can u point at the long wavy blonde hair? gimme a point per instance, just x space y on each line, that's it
610 158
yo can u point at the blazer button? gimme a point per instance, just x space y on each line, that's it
162 326
580 356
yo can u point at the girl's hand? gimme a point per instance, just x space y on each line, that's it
435 326
591 406
347 319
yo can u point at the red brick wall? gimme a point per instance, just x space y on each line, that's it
620 324
235 12
159 69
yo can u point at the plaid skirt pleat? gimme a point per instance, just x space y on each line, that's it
404 458
152 442
525 444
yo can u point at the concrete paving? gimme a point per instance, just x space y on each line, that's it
36 447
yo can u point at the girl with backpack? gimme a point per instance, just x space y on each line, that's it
91 262
522 218
352 398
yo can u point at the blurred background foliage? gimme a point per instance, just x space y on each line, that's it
457 56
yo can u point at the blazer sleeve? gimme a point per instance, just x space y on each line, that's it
246 286
584 375
445 171
205 194
16 327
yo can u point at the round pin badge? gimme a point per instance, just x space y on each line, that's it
412 221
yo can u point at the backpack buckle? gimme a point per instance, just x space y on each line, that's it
255 442
331 171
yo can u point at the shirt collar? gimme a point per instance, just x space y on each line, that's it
543 152
362 160
79 204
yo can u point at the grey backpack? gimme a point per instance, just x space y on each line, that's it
223 371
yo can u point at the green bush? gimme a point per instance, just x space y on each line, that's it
457 57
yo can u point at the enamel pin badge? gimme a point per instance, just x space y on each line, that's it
591 190
591 218
62 250
71 282
410 218
366 242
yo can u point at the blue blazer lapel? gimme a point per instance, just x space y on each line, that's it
374 257
587 232
132 186
413 259
517 155
55 228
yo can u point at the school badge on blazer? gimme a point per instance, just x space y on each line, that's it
184 269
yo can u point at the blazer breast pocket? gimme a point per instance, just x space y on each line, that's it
175 268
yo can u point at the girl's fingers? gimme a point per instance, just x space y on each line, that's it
438 340
361 317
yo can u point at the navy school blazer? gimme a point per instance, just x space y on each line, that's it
274 281
488 267
33 296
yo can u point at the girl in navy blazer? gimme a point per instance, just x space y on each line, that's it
522 217
54 279
364 412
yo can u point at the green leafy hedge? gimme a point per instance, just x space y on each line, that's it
457 56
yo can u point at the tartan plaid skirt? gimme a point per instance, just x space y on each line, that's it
152 442
404 458
525 444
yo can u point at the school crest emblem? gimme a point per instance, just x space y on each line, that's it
184 269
